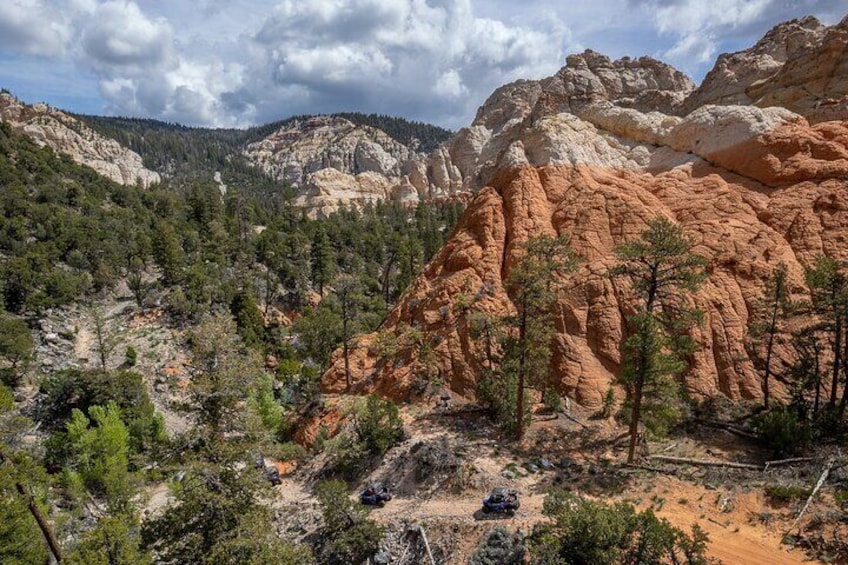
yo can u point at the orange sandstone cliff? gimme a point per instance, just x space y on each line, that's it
596 152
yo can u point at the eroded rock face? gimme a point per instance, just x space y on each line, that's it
800 65
596 152
62 133
331 161
743 228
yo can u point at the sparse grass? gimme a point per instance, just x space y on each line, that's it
782 494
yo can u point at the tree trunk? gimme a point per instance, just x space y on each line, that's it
636 411
837 355
769 349
635 414
844 401
46 530
522 336
387 274
345 351
818 389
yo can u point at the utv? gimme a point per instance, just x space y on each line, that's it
273 475
375 494
501 499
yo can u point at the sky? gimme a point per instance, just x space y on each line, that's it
235 63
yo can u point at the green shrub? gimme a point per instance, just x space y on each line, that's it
347 456
378 425
77 389
783 494
552 400
609 403
350 536
587 532
100 454
499 547
131 356
781 431
289 451
15 349
498 391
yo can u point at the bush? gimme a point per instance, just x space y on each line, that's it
76 389
781 431
782 494
588 532
552 400
131 356
498 392
499 547
15 349
378 425
289 451
347 456
350 536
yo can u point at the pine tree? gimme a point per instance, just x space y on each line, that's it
322 260
532 285
225 373
771 309
347 291
660 266
829 296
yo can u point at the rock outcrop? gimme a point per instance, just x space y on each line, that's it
800 65
596 152
331 161
53 128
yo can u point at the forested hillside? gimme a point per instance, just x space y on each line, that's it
214 266
186 152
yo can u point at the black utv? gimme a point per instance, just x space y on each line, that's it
501 499
375 494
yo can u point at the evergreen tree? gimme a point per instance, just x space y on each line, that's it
660 266
770 310
217 519
16 348
115 540
346 290
101 453
532 284
351 536
225 375
168 253
322 260
585 532
829 296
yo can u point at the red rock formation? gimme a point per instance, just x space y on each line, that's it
587 153
742 226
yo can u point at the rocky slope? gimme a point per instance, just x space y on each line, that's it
801 65
595 152
65 134
331 160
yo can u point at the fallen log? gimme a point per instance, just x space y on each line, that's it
819 483
575 420
652 469
426 545
779 462
705 462
728 428
716 522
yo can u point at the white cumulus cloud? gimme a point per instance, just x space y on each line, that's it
33 27
238 62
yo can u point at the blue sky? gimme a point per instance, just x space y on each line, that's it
241 62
